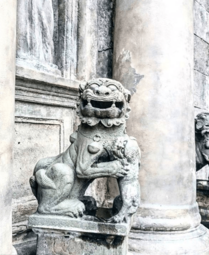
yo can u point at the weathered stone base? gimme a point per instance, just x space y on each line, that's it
59 243
193 242
203 201
61 235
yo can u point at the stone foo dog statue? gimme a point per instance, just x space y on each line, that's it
202 159
99 148
202 140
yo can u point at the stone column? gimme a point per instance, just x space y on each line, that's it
87 39
7 88
153 57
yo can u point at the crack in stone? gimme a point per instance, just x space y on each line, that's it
105 49
126 72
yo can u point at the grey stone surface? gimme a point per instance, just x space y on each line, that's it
70 244
35 33
156 96
193 242
105 38
201 55
7 89
67 34
87 39
67 224
99 148
45 110
47 36
201 21
104 65
46 79
201 87
95 39
105 25
29 147
124 69
204 3
201 50
203 200
22 208
24 237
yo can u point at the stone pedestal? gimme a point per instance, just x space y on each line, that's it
63 235
153 57
7 88
203 201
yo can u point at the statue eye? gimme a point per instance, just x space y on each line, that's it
199 125
94 86
112 87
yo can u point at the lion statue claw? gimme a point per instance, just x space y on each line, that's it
99 148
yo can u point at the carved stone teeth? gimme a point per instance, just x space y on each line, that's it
205 133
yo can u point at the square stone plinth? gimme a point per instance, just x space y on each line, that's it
61 235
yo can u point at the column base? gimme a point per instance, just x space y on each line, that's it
193 242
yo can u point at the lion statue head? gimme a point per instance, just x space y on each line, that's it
202 139
103 100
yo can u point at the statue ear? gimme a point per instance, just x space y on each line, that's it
127 95
82 87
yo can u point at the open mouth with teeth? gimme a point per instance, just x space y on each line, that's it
101 109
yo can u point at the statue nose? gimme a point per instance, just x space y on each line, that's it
103 91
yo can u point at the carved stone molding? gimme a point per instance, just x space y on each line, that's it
47 36
35 87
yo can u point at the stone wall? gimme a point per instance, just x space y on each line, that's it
201 63
105 38
201 54
44 119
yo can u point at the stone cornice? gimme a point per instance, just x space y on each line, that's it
42 88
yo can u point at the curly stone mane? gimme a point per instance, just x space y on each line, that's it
105 101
